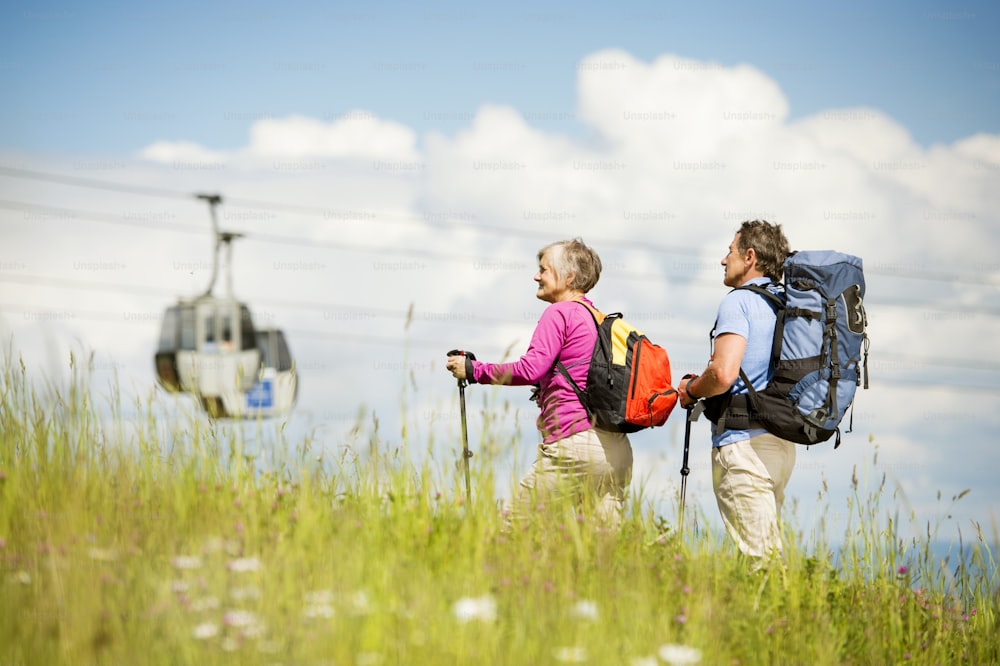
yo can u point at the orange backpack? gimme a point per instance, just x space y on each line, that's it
628 382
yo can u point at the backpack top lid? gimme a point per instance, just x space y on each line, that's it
833 271
822 258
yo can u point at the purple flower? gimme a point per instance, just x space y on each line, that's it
902 570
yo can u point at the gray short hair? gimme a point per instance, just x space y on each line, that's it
574 257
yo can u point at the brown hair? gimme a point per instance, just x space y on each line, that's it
769 243
573 256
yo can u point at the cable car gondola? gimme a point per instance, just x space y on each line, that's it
210 348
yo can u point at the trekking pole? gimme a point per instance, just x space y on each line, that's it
466 453
693 412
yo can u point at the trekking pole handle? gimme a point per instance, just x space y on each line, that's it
469 358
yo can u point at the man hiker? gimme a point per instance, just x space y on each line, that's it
750 466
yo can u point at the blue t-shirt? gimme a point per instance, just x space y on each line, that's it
752 317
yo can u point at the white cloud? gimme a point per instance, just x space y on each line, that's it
357 135
172 152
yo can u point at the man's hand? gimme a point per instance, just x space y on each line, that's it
682 390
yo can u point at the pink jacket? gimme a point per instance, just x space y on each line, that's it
565 332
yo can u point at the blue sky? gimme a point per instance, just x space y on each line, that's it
870 128
112 77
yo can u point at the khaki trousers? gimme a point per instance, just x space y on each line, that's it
749 478
589 468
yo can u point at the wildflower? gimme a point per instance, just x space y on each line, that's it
482 608
206 630
186 562
318 605
681 619
244 564
570 655
902 570
23 577
585 610
239 618
679 655
318 611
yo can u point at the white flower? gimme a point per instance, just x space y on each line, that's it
244 564
585 610
482 608
239 618
187 562
23 577
570 655
318 611
679 655
206 630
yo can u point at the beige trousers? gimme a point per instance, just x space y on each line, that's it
592 468
749 478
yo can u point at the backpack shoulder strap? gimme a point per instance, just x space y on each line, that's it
598 320
765 292
594 312
779 326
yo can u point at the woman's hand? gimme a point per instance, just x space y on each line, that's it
456 366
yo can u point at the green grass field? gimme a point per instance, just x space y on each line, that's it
163 543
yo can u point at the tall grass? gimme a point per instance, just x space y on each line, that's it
163 541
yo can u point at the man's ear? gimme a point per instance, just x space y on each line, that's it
751 257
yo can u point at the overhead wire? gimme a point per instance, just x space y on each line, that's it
432 317
77 214
79 181
399 342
